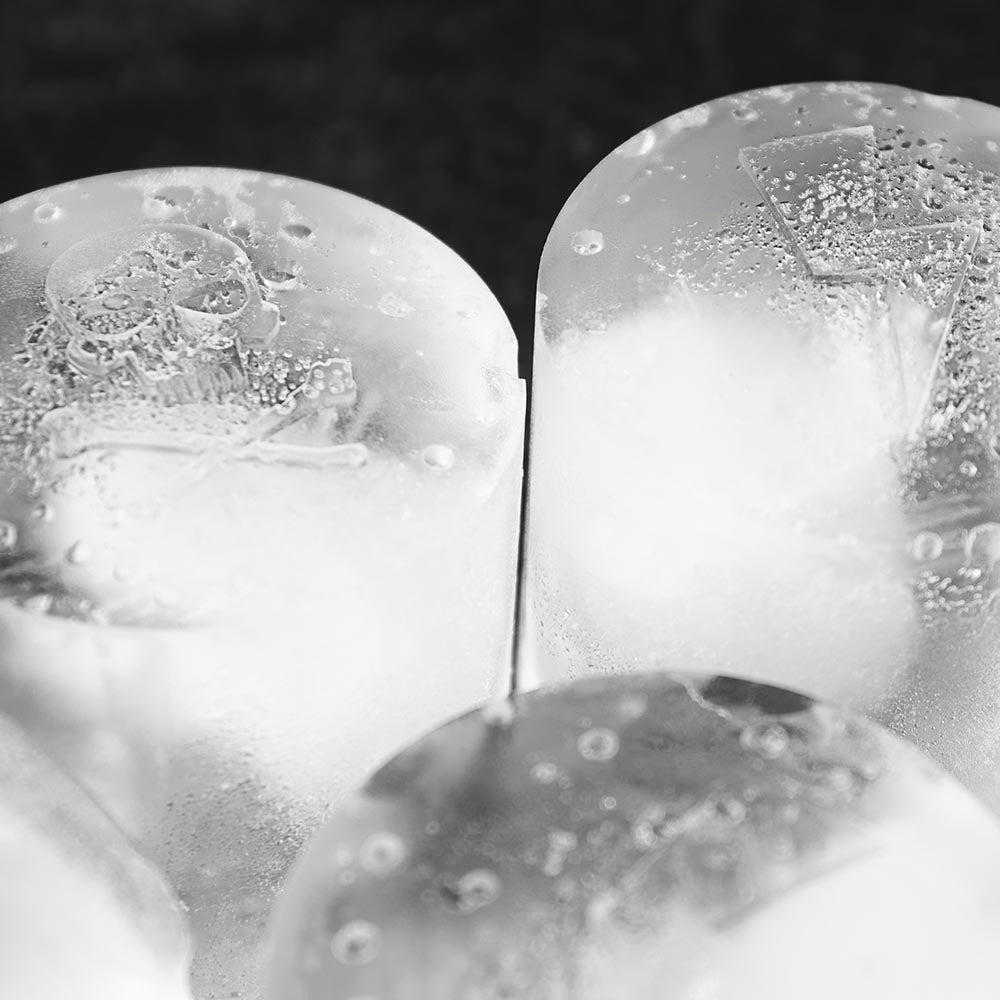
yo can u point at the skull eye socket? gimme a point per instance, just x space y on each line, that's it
221 297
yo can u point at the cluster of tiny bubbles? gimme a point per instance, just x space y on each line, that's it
394 306
438 457
7 243
587 242
767 738
356 943
47 212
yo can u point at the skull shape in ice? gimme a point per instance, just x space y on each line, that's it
159 302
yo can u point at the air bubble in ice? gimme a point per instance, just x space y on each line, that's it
769 739
545 772
79 553
280 276
382 853
158 206
392 305
356 943
588 242
927 546
8 536
298 231
474 890
47 212
982 545
438 456
598 744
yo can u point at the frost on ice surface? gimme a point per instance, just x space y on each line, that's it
692 862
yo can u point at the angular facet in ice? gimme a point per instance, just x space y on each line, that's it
822 190
83 914
676 836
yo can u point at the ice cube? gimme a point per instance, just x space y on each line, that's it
647 836
766 427
261 443
83 914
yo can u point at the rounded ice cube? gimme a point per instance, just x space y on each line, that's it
82 914
260 453
766 408
647 836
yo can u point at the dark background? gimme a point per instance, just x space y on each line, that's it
474 120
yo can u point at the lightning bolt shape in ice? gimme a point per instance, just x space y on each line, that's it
827 192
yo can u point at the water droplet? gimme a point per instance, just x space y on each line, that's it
598 744
438 456
7 243
382 853
927 546
280 275
982 544
298 231
588 242
392 305
356 943
8 536
79 553
47 212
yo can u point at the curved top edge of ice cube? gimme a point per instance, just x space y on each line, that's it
698 160
308 233
569 815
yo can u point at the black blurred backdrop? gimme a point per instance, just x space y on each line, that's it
475 120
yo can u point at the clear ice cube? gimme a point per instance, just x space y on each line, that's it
650 836
260 442
766 414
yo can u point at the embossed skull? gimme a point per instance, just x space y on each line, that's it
164 303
